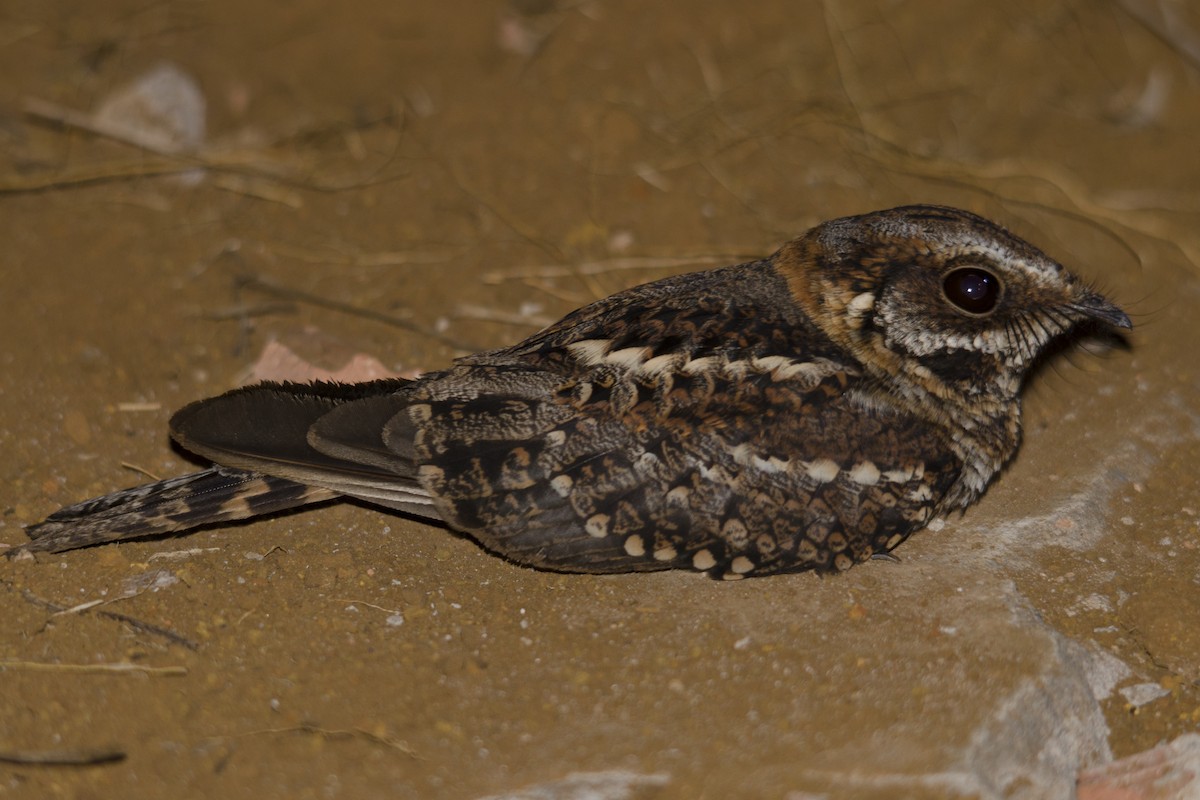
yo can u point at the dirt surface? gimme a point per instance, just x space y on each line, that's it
415 179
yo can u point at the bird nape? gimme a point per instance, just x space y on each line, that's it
804 411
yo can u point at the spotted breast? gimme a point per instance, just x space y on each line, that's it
805 411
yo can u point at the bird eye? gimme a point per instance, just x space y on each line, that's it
972 289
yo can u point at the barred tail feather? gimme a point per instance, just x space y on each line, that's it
177 504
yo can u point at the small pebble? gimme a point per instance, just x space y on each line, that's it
1141 694
77 428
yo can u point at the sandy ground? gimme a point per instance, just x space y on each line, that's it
414 179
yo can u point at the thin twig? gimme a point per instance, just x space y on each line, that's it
483 314
89 175
1164 23
514 223
395 320
545 286
137 624
365 603
162 162
251 186
604 266
130 407
1093 208
178 555
140 470
79 609
69 757
120 666
350 733
241 312
69 117
356 260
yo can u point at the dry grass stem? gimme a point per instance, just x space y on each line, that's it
91 669
1164 22
140 470
365 603
401 320
246 172
135 407
344 733
67 757
483 314
179 555
133 622
605 266
355 260
1146 221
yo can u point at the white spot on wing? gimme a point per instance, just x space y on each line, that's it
736 369
921 493
665 553
590 352
770 363
898 475
660 364
628 357
865 473
861 304
561 484
822 470
634 546
743 454
679 495
597 526
772 464
807 373
646 460
698 365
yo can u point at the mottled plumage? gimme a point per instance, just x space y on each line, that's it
803 411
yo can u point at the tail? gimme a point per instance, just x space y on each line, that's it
216 495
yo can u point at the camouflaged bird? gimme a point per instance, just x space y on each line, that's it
805 411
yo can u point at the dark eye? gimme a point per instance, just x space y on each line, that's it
972 289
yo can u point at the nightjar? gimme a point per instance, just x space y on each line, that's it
800 412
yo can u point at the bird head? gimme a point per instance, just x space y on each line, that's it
947 299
